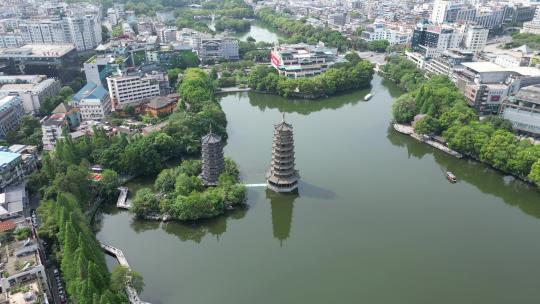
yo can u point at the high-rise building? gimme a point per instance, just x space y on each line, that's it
213 163
431 41
282 176
440 11
475 38
533 26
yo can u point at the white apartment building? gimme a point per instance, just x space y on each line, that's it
43 32
93 102
533 26
32 89
11 111
217 48
51 129
380 31
84 31
438 14
135 89
475 38
10 40
81 29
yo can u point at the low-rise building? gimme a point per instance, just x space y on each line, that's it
22 266
302 60
161 105
523 110
64 117
29 157
93 102
11 170
136 89
379 31
52 130
32 89
11 110
12 202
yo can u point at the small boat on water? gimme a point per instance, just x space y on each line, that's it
368 97
451 177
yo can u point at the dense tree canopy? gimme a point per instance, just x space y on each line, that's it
302 32
181 194
339 78
490 140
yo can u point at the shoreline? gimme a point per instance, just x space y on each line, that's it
407 130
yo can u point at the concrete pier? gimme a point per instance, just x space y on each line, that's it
123 201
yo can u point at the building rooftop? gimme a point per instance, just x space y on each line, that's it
7 102
530 94
90 91
56 119
7 157
489 67
38 50
211 138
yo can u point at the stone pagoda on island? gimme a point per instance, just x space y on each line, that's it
212 159
282 177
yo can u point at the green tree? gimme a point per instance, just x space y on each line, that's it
144 203
534 175
122 276
427 125
404 109
109 183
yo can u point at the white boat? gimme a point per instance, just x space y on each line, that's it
451 177
368 97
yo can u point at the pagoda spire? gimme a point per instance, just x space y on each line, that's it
213 162
282 176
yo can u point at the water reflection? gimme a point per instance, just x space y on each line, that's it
511 190
414 148
282 213
191 231
303 106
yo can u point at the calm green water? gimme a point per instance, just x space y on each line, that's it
261 32
375 220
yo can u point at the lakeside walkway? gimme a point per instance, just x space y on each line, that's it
233 90
408 130
123 201
119 255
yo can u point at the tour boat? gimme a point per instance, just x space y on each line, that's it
368 97
451 177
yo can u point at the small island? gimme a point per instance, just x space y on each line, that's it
179 194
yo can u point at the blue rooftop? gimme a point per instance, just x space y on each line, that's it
7 157
90 90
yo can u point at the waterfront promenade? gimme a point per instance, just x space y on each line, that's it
119 255
408 130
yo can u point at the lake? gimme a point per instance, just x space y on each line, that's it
374 220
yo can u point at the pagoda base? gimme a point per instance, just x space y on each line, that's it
207 183
288 189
